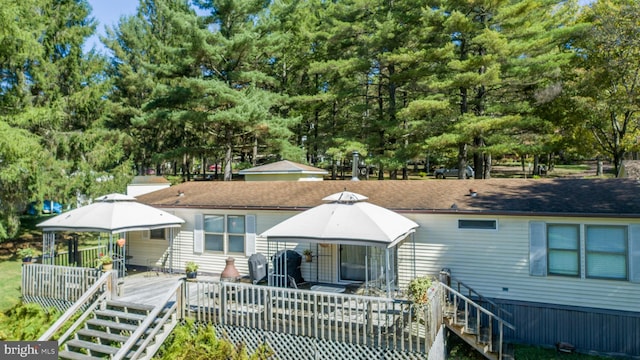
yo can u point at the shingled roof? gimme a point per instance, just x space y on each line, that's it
284 167
567 197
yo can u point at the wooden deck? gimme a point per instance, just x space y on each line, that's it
144 287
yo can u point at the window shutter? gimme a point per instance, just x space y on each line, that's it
634 253
537 249
250 236
198 234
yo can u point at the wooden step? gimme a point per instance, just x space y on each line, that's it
102 335
129 305
111 325
81 344
70 355
121 315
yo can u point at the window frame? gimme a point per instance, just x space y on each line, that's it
624 255
477 221
577 251
150 232
225 234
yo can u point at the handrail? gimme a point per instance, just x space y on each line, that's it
85 298
501 322
479 307
482 298
176 290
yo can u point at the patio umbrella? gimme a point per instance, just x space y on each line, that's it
113 213
347 220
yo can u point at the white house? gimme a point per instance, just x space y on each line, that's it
145 184
562 255
284 170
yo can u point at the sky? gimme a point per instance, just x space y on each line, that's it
108 12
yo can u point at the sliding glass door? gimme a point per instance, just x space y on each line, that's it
367 264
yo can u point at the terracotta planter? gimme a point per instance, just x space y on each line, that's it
230 273
107 267
308 258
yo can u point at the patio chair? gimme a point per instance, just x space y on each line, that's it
158 266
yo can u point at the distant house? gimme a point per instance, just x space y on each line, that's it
146 184
284 170
562 255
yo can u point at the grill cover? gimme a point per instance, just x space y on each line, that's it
258 266
287 262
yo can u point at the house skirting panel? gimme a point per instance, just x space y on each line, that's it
590 330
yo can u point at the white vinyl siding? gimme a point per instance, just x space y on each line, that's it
494 263
497 264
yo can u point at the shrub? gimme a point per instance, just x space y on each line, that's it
199 342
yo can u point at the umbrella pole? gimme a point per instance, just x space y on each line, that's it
386 272
170 250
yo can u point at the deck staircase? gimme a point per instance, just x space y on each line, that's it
478 326
112 325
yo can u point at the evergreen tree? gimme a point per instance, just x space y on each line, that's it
607 96
497 62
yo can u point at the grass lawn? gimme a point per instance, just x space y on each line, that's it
10 281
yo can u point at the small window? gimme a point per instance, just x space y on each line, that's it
156 234
478 224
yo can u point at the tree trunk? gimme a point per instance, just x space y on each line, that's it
228 156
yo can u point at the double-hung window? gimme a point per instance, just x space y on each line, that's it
606 251
587 251
563 249
224 233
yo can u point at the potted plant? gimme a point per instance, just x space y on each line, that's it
105 262
27 254
308 254
191 268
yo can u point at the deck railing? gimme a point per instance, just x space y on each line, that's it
463 288
170 307
103 288
364 320
86 257
57 286
475 319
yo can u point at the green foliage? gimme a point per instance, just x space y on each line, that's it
104 260
10 279
27 252
191 266
26 322
200 342
418 289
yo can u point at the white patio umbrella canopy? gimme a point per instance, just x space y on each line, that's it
347 220
113 213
